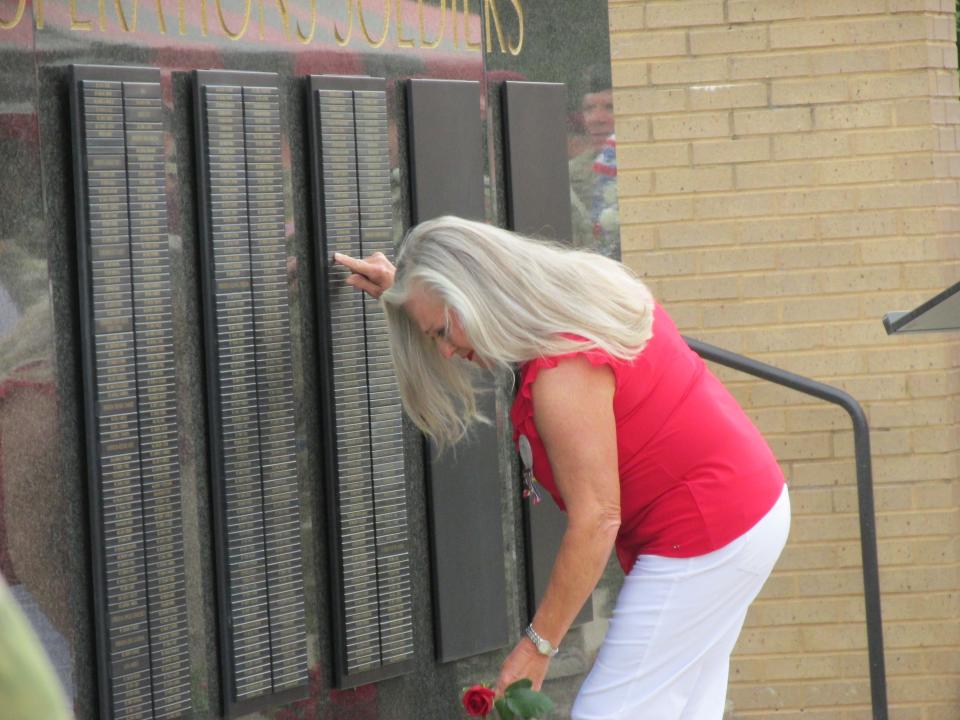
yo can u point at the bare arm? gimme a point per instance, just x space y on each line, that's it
573 411
373 275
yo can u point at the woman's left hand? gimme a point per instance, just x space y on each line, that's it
523 662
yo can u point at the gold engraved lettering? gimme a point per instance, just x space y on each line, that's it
284 15
386 23
466 34
223 23
38 8
162 21
342 40
102 14
17 16
402 41
123 18
453 21
75 22
490 11
182 17
515 49
305 39
424 43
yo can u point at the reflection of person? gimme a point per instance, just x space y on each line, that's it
24 307
596 111
593 190
628 430
28 685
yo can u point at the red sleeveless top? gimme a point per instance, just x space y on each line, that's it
695 473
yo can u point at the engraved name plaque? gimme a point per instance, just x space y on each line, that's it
373 628
130 392
250 381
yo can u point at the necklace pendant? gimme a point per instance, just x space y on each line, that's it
526 457
529 489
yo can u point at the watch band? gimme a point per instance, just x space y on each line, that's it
543 646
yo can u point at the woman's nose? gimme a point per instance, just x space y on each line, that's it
446 349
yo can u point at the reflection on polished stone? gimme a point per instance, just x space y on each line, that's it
55 644
44 523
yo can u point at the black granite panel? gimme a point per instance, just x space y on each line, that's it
447 174
370 540
538 203
468 567
348 421
253 444
133 452
446 149
536 178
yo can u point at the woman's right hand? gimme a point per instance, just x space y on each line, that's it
373 274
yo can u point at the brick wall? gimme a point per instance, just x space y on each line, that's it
788 172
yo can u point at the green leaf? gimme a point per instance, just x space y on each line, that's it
521 683
528 703
503 711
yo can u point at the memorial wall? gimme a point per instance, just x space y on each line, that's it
211 504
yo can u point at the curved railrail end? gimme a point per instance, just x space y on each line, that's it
868 529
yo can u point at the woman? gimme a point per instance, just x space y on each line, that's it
629 432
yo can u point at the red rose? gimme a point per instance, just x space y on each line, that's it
478 701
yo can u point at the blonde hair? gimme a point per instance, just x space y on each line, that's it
517 299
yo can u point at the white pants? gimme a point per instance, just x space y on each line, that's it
666 654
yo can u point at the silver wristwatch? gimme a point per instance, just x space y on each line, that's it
543 646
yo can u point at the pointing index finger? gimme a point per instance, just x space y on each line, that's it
356 265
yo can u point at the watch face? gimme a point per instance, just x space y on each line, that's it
542 644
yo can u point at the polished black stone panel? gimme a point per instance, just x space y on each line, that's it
446 166
253 444
364 434
536 178
538 203
470 593
131 411
446 149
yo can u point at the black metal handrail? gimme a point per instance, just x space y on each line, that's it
868 531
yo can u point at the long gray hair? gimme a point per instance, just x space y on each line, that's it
516 298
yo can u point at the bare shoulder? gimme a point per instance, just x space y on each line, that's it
570 372
573 391
573 412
